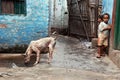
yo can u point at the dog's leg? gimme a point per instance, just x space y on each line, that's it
50 54
51 49
27 58
37 56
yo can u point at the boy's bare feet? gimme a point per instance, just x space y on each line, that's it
102 54
98 56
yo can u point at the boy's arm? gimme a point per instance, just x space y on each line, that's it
108 28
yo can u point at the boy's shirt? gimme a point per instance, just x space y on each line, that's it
102 26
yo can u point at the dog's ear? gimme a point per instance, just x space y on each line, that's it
24 55
54 35
55 32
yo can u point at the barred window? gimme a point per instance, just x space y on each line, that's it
13 7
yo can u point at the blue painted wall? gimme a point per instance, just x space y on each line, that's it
22 29
107 6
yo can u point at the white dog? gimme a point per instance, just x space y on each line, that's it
42 45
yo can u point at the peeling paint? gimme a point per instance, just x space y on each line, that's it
22 29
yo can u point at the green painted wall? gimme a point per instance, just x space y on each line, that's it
117 26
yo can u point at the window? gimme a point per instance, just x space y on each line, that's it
13 7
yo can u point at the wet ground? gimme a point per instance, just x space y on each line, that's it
73 60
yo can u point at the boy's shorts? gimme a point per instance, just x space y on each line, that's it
102 40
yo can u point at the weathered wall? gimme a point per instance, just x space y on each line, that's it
19 30
58 14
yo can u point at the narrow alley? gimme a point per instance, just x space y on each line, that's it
72 60
22 21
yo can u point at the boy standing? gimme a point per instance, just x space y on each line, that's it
103 33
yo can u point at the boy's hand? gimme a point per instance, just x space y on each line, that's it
108 28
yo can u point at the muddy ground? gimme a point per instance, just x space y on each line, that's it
73 60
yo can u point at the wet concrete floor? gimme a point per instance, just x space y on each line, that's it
72 61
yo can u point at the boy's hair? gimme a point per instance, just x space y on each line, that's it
106 14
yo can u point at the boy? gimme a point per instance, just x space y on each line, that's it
100 19
103 32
